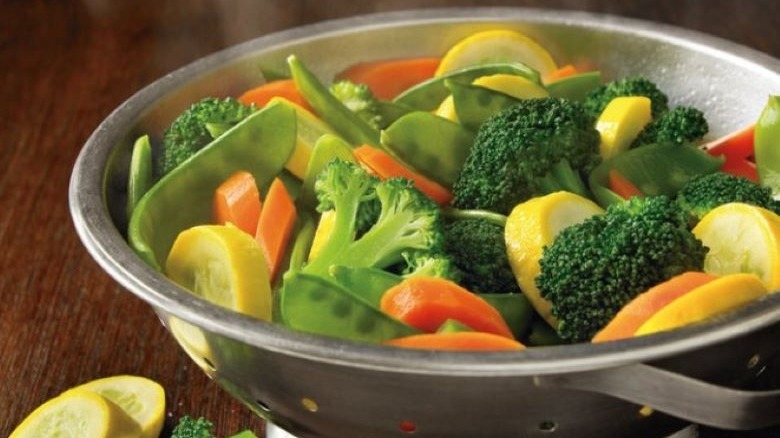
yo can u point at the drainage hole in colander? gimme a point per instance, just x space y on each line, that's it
547 426
407 426
264 407
211 367
309 404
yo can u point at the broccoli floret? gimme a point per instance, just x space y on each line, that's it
599 98
189 427
680 125
408 226
431 265
198 126
519 147
359 99
478 249
705 192
594 268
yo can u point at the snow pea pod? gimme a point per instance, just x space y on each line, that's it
428 95
767 145
575 87
434 146
327 148
354 129
141 176
369 283
474 104
260 144
514 308
313 304
655 169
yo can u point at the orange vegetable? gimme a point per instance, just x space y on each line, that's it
738 144
427 302
740 167
465 341
626 322
385 166
622 186
280 88
562 72
388 78
237 200
274 229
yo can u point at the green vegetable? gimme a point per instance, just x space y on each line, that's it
475 104
428 95
540 334
432 145
430 264
359 99
189 133
327 148
657 169
189 427
680 125
141 176
767 145
515 309
260 144
369 283
594 268
705 192
389 112
456 214
315 304
348 124
599 98
453 326
516 148
562 177
478 250
576 87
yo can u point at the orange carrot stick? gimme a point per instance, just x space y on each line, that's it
259 96
622 186
464 341
274 229
626 322
562 72
426 302
385 166
740 167
738 144
237 200
388 78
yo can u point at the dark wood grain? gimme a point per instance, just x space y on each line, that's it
64 65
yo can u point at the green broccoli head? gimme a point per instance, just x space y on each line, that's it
705 192
593 269
198 126
599 98
359 99
407 225
189 427
515 149
478 249
430 264
680 125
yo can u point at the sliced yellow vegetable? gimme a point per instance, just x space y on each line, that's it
497 46
223 265
309 129
142 399
513 85
533 225
620 123
321 235
446 109
711 299
78 414
742 238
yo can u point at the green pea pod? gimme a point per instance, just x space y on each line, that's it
260 144
389 112
327 148
428 95
474 104
655 169
141 176
354 129
434 146
542 335
453 326
370 283
313 304
767 145
575 87
516 310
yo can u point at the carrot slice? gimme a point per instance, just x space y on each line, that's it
622 186
237 200
740 167
388 78
464 341
427 302
626 322
385 166
275 226
738 144
261 95
562 72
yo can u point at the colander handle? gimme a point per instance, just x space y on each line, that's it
677 395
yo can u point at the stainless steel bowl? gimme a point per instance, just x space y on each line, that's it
316 386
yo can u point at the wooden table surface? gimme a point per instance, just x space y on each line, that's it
64 65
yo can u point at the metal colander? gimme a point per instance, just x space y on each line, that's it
315 386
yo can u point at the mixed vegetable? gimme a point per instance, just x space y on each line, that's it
485 200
